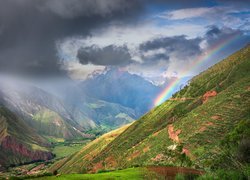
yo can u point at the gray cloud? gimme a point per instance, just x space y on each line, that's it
29 29
180 44
107 56
215 34
78 8
236 37
154 59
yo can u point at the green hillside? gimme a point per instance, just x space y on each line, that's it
18 142
50 123
204 126
88 152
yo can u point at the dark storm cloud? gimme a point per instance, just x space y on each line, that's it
107 56
78 8
215 34
180 45
213 31
29 29
154 59
161 56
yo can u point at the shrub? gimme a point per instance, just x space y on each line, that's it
55 172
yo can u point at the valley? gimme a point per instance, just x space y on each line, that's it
206 131
203 130
125 89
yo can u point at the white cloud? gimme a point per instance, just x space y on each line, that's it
119 35
80 72
204 12
133 36
219 15
186 13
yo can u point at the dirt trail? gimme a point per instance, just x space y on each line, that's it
171 172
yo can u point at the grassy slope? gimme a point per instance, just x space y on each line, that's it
110 115
67 148
80 160
50 123
17 129
204 126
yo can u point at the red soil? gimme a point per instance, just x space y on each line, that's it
216 117
156 133
208 95
209 123
134 155
110 161
185 151
146 149
203 128
158 157
173 134
11 144
97 166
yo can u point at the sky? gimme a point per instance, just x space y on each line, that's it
155 39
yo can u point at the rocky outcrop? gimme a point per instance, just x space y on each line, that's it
208 95
174 135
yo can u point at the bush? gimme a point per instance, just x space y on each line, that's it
243 153
104 170
55 172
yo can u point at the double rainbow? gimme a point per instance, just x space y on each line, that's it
168 91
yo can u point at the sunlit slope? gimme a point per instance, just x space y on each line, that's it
205 125
83 159
18 142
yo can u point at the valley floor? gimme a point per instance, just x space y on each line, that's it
151 172
131 173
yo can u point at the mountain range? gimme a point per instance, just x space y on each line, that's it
66 111
121 87
204 126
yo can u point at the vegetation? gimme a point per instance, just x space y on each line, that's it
50 123
89 151
16 138
67 148
192 130
131 173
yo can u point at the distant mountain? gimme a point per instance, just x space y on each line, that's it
122 88
66 111
103 113
205 126
42 111
19 143
29 116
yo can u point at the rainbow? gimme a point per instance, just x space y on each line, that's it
169 89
